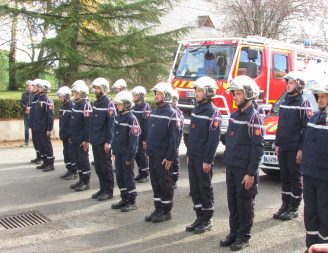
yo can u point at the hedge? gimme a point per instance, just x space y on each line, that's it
11 108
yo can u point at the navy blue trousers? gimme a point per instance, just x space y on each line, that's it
103 167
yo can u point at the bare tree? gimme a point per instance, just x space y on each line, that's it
267 18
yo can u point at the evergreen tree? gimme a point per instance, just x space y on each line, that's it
114 39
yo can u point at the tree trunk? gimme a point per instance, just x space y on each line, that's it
13 85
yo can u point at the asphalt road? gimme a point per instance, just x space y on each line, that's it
80 224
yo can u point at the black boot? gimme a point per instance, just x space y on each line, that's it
129 206
119 204
282 209
82 187
65 174
36 160
205 225
78 183
291 213
141 179
161 216
96 195
49 167
150 216
104 196
230 239
239 244
191 227
41 167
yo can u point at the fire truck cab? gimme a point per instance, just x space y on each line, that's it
265 60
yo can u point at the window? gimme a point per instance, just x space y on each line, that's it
243 61
214 61
280 65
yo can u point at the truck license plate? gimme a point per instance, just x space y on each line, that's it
270 159
190 94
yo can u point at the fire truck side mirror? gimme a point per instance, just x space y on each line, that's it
252 69
252 54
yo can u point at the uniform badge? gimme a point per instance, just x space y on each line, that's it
257 131
232 133
193 125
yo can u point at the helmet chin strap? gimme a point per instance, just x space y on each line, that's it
243 104
293 93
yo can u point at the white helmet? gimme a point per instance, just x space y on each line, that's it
64 91
78 82
81 88
245 83
101 82
139 91
319 87
46 85
120 84
175 96
38 82
125 98
166 89
298 77
208 84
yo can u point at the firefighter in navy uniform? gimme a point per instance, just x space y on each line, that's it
64 94
315 170
179 133
125 145
119 85
244 149
43 124
141 110
101 133
293 116
37 159
161 148
79 133
204 138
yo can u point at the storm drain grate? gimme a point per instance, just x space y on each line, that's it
23 220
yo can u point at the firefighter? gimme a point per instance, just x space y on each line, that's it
101 133
125 145
37 159
315 170
64 94
293 116
161 149
141 110
43 123
179 133
79 133
242 155
119 85
204 138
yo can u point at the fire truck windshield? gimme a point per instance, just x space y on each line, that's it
214 61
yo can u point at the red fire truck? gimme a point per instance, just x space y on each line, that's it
265 60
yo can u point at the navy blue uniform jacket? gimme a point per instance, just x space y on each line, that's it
126 133
43 118
161 136
142 112
244 141
79 123
65 113
294 114
101 122
315 151
204 134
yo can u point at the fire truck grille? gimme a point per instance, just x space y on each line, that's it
268 146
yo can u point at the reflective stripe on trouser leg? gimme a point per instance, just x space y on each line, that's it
125 178
161 182
201 186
